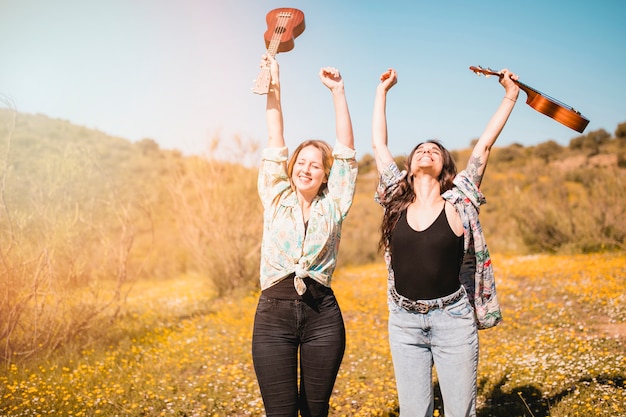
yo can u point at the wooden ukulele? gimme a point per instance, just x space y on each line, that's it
549 106
283 26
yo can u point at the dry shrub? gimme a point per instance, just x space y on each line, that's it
220 217
361 229
57 243
579 210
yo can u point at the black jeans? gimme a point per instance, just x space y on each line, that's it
281 327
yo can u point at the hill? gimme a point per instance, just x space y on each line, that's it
86 215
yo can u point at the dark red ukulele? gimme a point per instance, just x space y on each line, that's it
549 106
283 26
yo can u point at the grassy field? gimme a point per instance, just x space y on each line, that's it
560 351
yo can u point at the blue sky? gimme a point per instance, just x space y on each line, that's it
181 72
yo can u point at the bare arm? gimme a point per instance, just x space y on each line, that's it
332 79
382 155
273 108
480 154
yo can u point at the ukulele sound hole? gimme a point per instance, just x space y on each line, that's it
280 30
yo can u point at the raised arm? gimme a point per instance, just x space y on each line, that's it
382 155
273 108
332 79
480 154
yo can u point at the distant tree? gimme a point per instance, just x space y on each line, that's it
590 142
620 133
595 139
548 151
366 164
400 161
576 144
510 153
599 136
147 146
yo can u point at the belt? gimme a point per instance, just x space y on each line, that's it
424 307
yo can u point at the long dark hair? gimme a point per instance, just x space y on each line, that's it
405 193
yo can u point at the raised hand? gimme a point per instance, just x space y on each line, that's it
507 80
388 79
269 62
331 77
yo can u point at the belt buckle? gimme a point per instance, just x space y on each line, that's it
421 308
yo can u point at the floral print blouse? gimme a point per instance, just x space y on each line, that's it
290 247
476 276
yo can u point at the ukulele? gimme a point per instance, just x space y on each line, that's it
283 26
549 106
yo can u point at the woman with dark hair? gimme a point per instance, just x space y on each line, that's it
298 326
441 288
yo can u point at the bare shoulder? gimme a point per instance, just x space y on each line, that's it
454 219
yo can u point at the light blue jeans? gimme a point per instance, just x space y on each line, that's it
446 337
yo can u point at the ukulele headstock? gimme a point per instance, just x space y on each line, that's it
262 82
487 72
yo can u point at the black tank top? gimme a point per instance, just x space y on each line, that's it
426 264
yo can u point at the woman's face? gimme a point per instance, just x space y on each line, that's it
308 171
427 156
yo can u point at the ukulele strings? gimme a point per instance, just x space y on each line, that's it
275 42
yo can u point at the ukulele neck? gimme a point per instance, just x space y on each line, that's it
523 86
272 49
